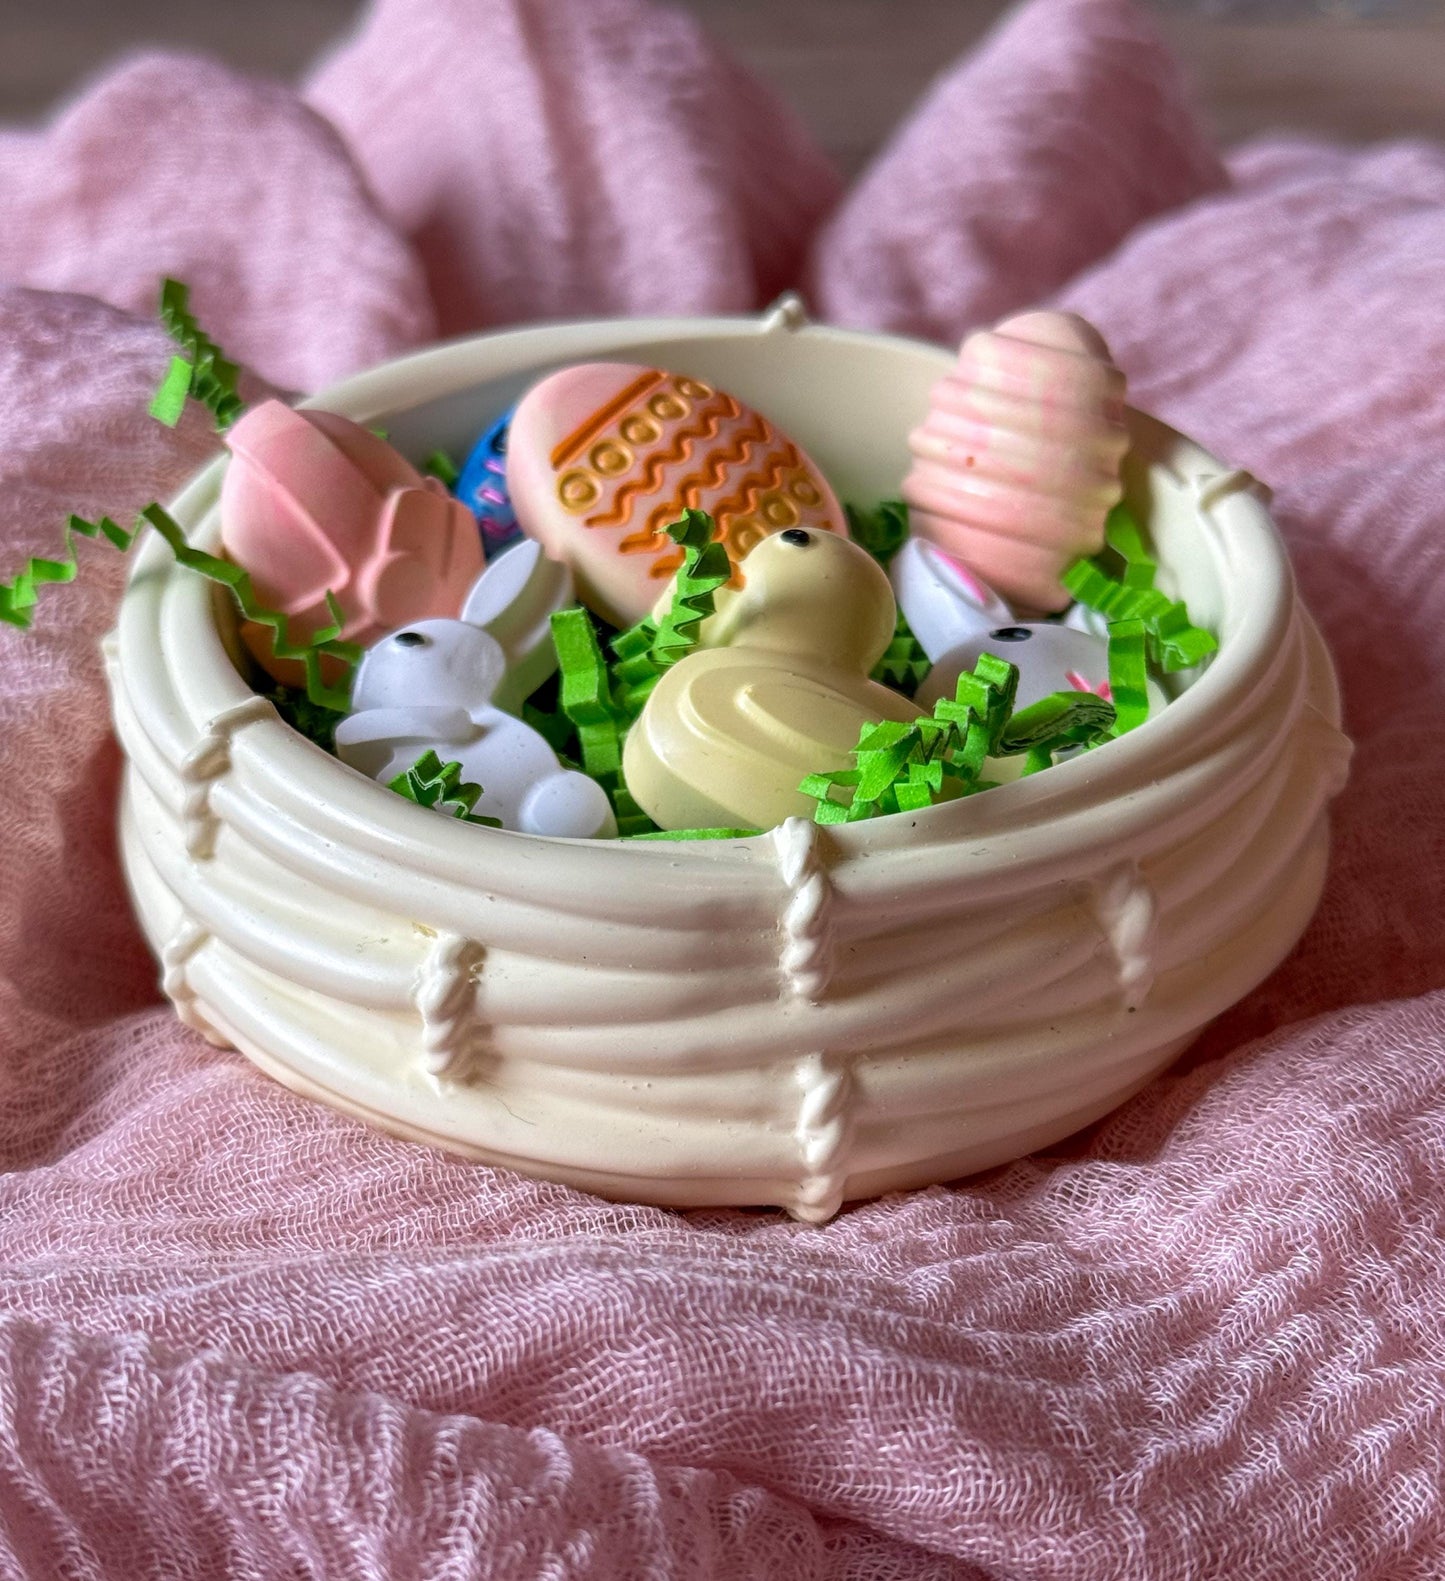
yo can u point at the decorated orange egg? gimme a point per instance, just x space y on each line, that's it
602 456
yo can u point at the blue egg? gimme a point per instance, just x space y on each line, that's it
483 487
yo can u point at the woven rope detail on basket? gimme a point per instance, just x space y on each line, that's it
1127 912
824 1128
445 995
176 956
825 1133
206 763
806 958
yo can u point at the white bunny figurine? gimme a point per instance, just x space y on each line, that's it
514 599
943 602
1051 658
437 684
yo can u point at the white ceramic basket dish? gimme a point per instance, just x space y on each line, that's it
800 1018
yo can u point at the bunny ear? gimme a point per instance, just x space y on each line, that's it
519 588
513 600
943 602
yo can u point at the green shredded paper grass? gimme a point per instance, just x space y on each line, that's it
201 371
431 783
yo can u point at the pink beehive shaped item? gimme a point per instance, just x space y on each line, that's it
602 456
1017 464
313 503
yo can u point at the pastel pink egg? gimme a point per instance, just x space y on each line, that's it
1017 464
603 456
313 503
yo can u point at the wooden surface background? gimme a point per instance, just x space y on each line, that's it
1354 69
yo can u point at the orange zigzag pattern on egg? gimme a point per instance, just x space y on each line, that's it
711 417
738 504
753 487
714 470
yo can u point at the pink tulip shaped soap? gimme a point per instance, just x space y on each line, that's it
1017 463
313 503
601 457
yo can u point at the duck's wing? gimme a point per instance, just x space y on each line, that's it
782 725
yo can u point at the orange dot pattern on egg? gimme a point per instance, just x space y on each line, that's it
665 444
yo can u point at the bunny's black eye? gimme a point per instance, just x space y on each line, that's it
796 537
411 639
1012 634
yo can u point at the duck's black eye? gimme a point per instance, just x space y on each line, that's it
411 639
797 537
1012 634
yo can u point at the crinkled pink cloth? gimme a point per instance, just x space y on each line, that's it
242 1336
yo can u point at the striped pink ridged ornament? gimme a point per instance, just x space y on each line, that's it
1017 464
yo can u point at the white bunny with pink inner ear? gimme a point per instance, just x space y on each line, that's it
1051 657
957 618
440 684
944 603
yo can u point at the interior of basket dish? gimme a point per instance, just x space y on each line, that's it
850 399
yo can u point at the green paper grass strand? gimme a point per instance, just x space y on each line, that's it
632 822
439 465
586 695
904 767
644 651
1174 641
18 597
904 666
552 725
169 401
1125 537
600 701
979 709
705 567
586 701
1062 719
431 783
1129 674
201 372
880 529
310 651
634 671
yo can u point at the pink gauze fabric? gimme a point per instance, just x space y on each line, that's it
242 1336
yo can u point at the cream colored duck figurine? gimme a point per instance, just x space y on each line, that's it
729 732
